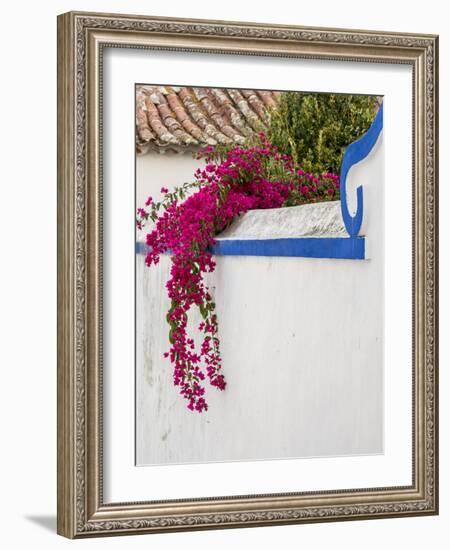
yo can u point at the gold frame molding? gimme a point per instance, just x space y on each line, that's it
81 38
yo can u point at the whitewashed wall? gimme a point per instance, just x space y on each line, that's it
302 346
154 171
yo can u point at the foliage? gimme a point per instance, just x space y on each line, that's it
315 129
186 222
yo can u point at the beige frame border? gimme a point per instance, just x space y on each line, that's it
81 37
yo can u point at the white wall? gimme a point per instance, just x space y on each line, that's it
28 307
154 171
300 383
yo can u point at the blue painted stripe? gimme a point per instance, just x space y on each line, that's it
346 248
142 248
305 247
356 152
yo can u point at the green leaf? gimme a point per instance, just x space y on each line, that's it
203 311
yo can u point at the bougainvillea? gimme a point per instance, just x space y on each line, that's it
186 222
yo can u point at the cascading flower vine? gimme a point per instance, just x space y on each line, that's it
188 219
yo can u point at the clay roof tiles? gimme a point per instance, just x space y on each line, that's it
181 119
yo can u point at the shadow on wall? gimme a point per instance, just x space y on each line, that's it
46 522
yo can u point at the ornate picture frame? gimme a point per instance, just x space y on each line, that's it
82 39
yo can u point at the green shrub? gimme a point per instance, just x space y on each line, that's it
315 129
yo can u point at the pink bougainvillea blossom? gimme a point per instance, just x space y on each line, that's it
185 225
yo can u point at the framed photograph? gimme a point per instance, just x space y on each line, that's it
247 274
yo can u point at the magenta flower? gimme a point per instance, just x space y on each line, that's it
187 228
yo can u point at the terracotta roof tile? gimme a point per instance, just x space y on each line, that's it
170 118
